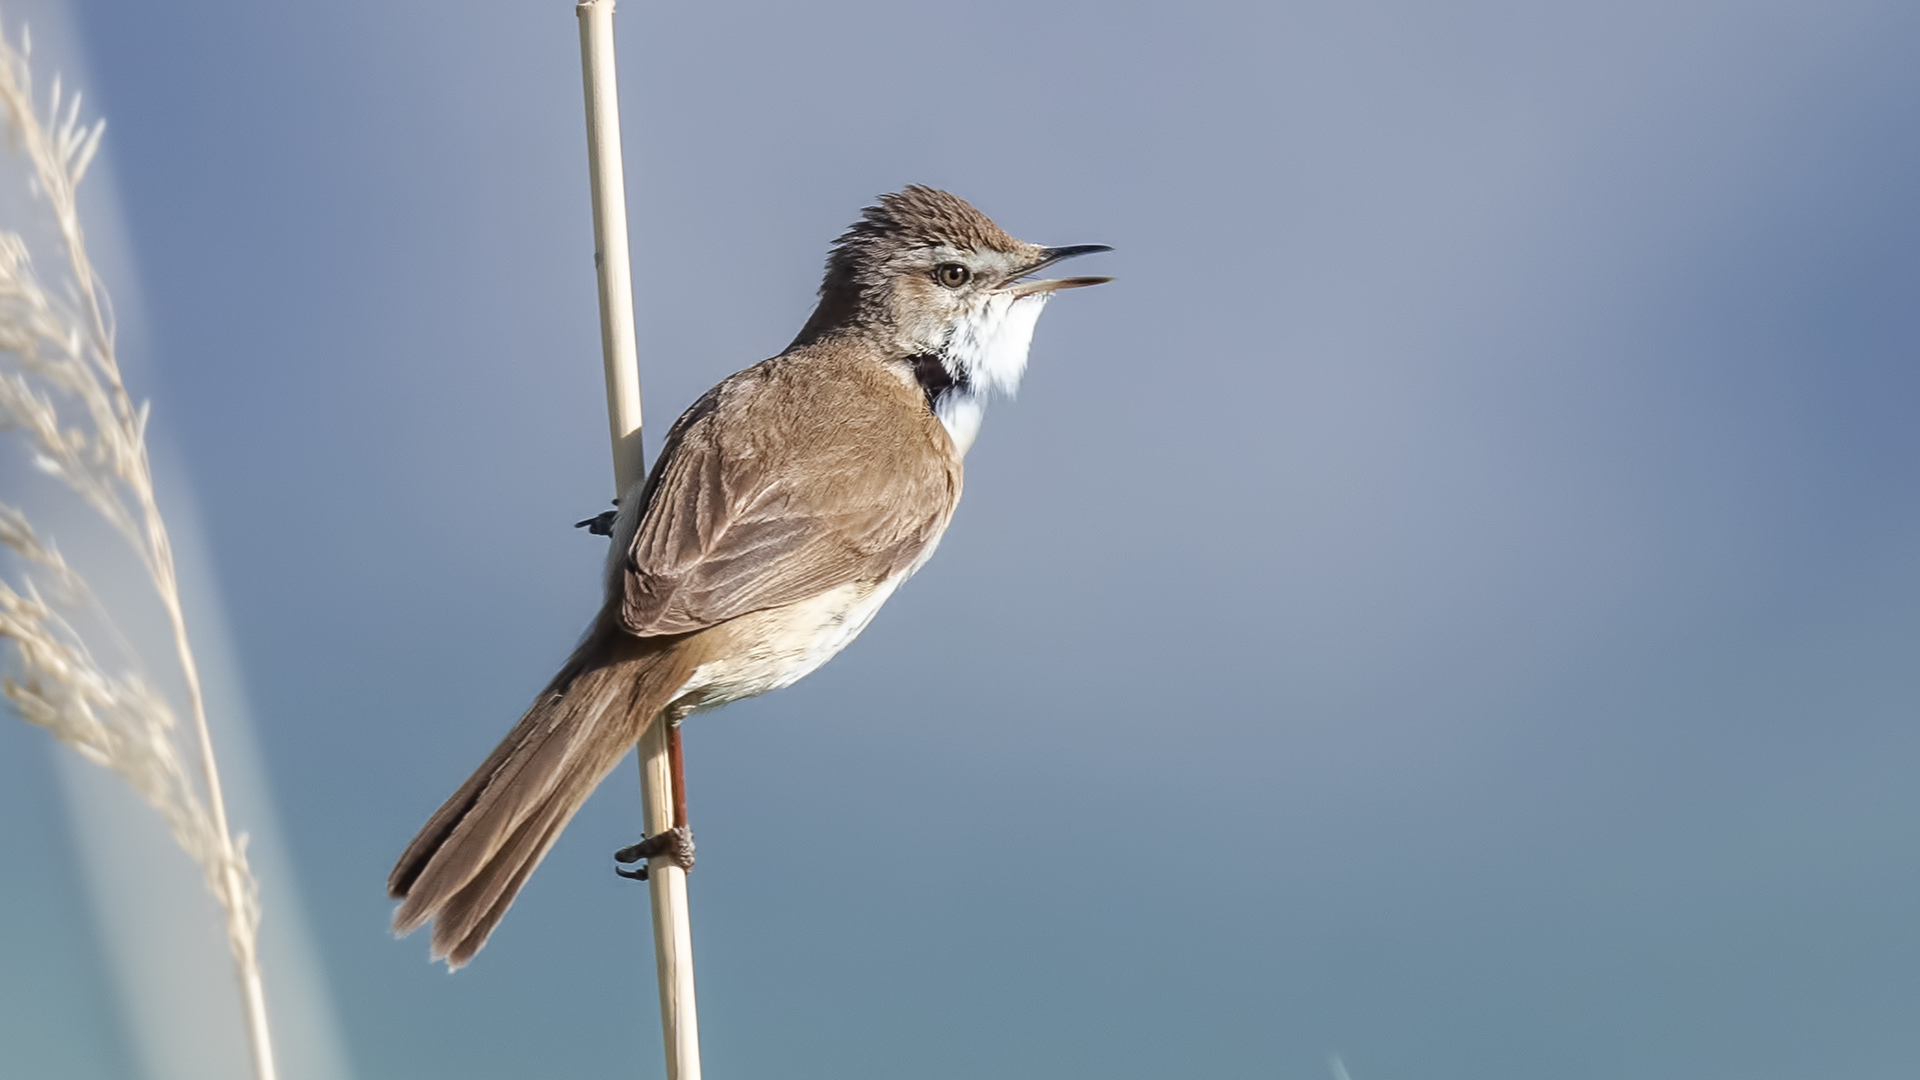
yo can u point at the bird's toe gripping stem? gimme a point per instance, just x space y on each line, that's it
676 844
600 524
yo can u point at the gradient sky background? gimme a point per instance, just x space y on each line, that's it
1453 603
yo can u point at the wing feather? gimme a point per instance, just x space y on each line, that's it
758 501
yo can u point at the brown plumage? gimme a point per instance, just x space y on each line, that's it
787 504
475 852
801 473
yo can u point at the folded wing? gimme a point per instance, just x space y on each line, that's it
760 500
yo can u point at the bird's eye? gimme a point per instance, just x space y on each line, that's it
952 275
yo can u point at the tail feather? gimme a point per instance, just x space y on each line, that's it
463 924
471 857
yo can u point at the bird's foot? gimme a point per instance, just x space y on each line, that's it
600 524
676 844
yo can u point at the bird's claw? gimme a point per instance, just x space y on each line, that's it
600 524
676 844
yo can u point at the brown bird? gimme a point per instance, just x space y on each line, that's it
787 504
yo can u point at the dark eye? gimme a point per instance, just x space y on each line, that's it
952 275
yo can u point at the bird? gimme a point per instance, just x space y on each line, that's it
787 504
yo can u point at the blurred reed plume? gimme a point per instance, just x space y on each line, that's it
60 387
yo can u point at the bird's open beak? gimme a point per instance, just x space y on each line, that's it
1049 256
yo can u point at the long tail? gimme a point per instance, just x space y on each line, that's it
475 852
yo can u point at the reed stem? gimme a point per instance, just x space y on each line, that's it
666 881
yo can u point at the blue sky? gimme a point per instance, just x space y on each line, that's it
1451 603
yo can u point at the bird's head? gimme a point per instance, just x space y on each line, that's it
923 274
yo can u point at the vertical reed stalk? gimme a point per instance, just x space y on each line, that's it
666 882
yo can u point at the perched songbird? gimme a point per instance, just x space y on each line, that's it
787 505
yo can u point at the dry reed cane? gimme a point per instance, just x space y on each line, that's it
666 882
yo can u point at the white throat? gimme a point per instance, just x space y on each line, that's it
986 352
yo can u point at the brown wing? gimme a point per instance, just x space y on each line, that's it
789 479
